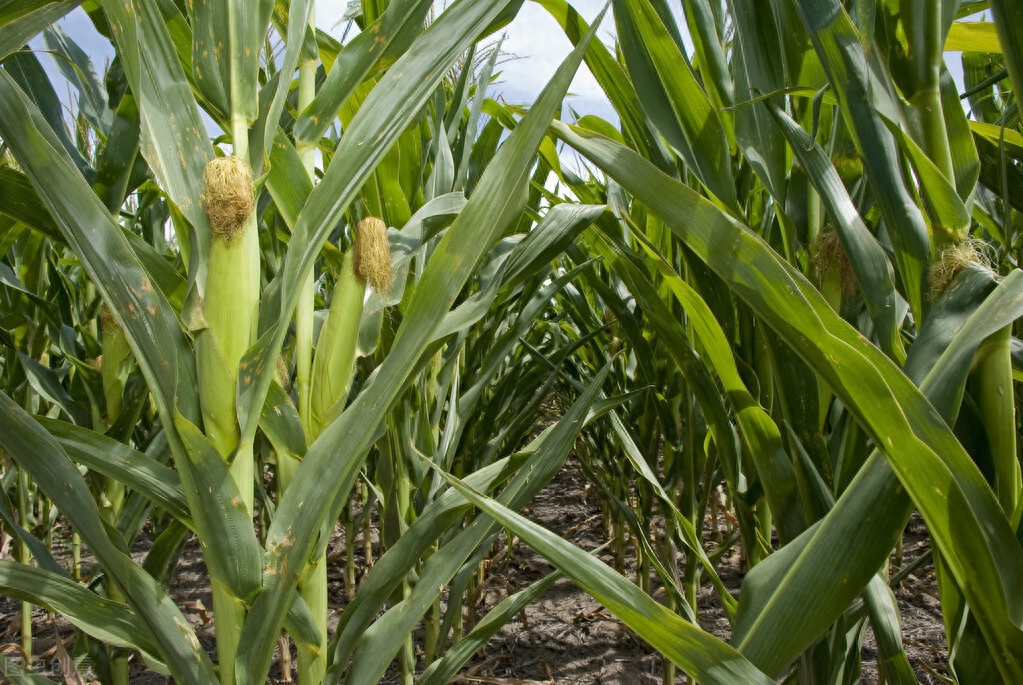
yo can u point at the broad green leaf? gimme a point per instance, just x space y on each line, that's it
378 586
247 23
776 620
870 264
27 72
710 52
445 669
117 163
14 34
838 45
1008 17
965 158
42 458
380 120
673 99
972 36
89 229
557 229
949 215
758 430
209 50
1000 136
698 653
615 83
21 202
40 552
399 24
930 463
20 675
103 619
174 140
379 642
299 15
77 68
884 619
122 463
46 382
758 69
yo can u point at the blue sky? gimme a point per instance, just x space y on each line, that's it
534 41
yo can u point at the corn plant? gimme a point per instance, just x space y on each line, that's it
762 281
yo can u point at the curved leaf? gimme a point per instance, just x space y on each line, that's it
930 463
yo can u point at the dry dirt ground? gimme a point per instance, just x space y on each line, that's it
564 637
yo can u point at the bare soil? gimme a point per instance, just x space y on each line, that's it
564 637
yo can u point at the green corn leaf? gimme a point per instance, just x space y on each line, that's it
379 642
208 50
973 36
496 202
696 652
838 45
615 83
710 53
847 547
42 457
377 587
1008 17
16 32
20 675
759 69
759 431
444 669
22 203
673 99
117 163
965 158
40 552
298 26
173 141
949 216
380 121
398 26
870 264
142 311
45 381
559 227
77 68
918 444
27 72
101 618
884 619
122 463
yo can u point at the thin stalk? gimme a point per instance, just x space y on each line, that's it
25 557
923 26
113 372
76 557
350 533
312 658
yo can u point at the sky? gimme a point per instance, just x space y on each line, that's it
534 44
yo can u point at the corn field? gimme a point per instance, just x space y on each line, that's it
259 280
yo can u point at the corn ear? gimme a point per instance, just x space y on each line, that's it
116 355
369 261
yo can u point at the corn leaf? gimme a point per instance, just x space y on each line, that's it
380 120
101 618
696 652
930 463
